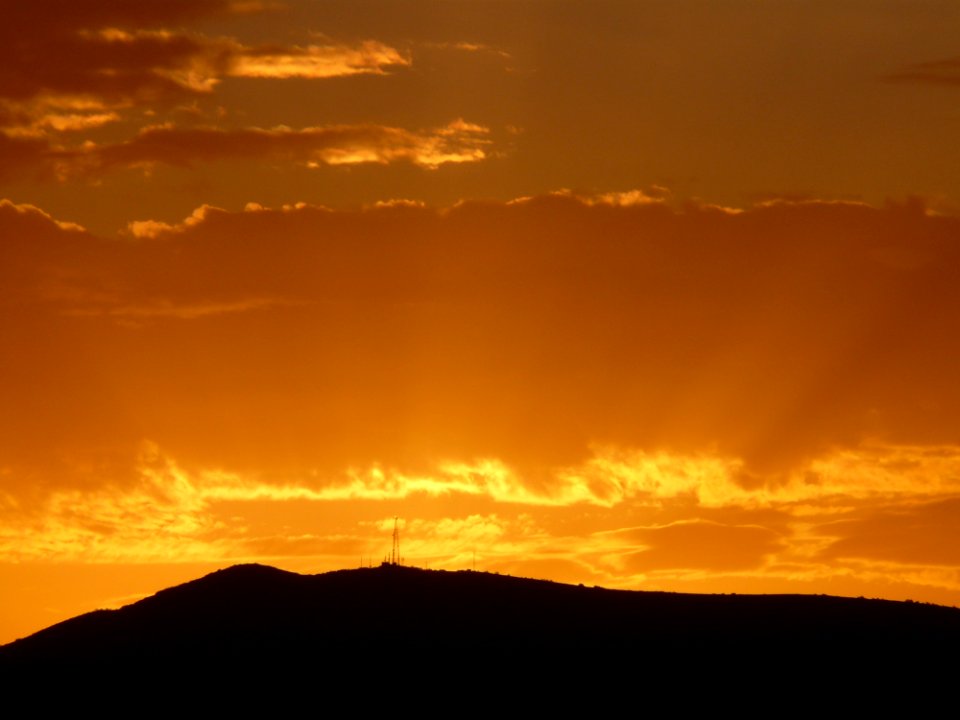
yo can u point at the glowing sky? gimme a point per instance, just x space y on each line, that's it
657 295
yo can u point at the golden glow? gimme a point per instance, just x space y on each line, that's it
319 61
24 209
168 144
149 229
617 293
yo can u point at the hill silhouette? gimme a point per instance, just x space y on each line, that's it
254 616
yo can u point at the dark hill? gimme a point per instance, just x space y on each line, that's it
398 620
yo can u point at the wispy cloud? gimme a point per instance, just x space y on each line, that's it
457 142
934 72
316 61
168 309
470 47
78 69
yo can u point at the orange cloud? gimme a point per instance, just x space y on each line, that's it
866 472
461 542
701 545
60 122
150 229
471 47
920 534
543 332
114 68
168 513
457 142
23 156
185 312
145 12
110 67
33 215
317 61
935 72
104 59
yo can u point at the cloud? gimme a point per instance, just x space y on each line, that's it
700 545
65 74
454 143
16 124
150 229
110 68
23 156
68 70
33 217
459 542
457 142
166 512
316 61
935 72
166 309
156 518
116 68
41 256
920 534
70 122
556 352
470 47
866 472
652 195
51 16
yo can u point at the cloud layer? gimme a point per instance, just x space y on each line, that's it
110 64
615 391
528 332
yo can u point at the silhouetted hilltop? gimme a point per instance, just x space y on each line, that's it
251 616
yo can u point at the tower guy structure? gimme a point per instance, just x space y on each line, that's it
395 549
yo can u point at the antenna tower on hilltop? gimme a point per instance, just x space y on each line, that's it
395 551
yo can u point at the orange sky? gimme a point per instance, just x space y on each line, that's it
652 295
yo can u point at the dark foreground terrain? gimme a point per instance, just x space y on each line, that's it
405 625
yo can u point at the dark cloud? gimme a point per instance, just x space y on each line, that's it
48 16
36 157
95 62
112 68
98 55
24 157
341 144
99 50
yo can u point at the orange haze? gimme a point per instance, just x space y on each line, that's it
274 273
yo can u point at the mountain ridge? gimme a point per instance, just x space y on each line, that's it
255 615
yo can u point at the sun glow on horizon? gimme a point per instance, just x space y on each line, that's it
270 278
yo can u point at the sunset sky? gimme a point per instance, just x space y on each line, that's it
651 295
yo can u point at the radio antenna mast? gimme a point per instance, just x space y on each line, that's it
395 552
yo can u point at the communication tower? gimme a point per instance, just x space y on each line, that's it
395 551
